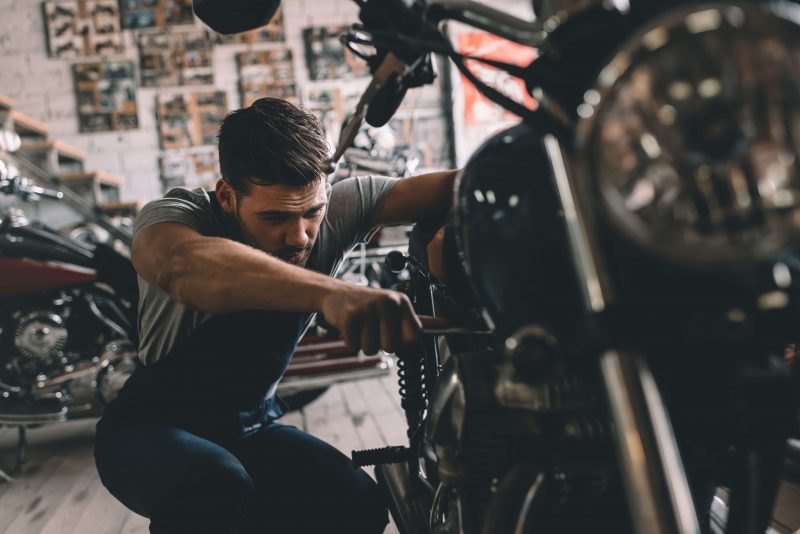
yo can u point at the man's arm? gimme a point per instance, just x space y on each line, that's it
418 198
219 275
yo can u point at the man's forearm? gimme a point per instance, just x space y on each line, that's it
219 275
419 198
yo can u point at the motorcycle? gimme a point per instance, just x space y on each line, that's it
621 269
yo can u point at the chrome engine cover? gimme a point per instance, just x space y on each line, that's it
40 336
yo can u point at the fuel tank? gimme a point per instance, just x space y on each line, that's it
35 258
512 236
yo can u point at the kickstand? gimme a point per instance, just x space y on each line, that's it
22 446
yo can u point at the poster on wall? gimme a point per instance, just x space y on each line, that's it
477 108
332 105
190 170
156 13
327 58
266 73
83 28
271 33
423 136
189 120
106 93
181 58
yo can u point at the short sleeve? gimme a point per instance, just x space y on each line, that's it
354 207
190 208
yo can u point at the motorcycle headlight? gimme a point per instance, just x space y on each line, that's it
693 129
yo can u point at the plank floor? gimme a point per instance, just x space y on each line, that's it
60 493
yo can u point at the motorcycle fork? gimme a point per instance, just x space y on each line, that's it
659 498
660 501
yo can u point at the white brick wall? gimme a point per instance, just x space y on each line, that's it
43 87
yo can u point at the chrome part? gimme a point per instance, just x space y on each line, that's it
84 382
526 504
719 517
409 515
116 365
40 336
688 134
117 329
659 497
491 20
25 419
450 520
446 412
595 288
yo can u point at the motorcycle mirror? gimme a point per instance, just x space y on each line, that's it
396 261
235 16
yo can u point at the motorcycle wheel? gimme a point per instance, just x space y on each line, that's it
301 399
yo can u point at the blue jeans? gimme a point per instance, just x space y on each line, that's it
278 479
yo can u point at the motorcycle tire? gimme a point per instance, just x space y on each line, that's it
301 399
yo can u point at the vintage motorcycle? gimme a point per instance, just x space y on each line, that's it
621 269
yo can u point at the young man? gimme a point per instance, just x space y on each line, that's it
228 281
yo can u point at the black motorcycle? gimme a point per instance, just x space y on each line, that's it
621 269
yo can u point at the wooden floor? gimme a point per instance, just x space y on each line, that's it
60 493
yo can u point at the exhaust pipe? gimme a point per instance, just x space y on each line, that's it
407 505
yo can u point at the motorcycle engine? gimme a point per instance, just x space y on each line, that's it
40 336
488 414
68 347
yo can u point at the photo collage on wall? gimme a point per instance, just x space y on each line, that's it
180 58
190 120
106 96
190 169
328 59
175 53
332 106
83 28
188 126
156 13
267 73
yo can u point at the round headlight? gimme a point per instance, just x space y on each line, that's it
692 133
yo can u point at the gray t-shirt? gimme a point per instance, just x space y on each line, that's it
351 216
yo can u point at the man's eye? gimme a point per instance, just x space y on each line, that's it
314 213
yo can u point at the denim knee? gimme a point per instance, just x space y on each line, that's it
216 499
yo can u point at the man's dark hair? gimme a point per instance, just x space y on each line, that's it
271 142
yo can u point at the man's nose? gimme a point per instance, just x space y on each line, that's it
296 235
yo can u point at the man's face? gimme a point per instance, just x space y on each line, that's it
281 220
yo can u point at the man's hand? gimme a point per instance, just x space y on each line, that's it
372 319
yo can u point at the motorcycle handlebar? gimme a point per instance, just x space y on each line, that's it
488 19
25 189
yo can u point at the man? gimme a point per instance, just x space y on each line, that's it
228 282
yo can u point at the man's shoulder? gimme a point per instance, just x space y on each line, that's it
190 207
198 196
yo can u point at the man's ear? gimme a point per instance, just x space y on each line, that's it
226 196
